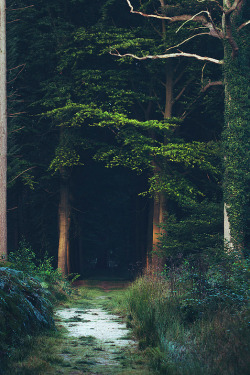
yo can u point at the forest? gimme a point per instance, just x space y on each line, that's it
124 158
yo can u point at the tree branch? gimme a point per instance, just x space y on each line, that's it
202 91
186 40
146 15
243 25
231 9
26 170
20 71
12 9
16 130
183 17
179 76
210 84
168 56
182 91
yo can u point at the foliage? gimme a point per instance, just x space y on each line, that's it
195 231
28 290
236 138
24 259
184 317
25 308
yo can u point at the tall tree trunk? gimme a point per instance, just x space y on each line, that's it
3 134
64 223
159 199
236 131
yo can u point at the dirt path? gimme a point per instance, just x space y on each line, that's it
94 341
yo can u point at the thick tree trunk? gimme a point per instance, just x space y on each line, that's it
236 132
158 220
64 223
3 134
159 199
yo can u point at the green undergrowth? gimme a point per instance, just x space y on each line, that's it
51 279
28 292
56 353
36 355
192 326
25 309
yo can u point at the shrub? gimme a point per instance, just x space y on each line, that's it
24 309
24 259
194 322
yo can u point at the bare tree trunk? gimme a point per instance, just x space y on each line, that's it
227 232
3 134
64 223
236 129
159 199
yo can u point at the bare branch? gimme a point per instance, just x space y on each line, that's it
187 19
16 130
14 93
26 170
183 17
15 114
210 84
168 56
18 19
28 6
202 91
186 40
182 91
146 15
179 76
158 104
20 71
12 209
243 25
16 67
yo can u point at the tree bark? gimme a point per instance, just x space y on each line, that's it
236 130
3 134
64 223
159 199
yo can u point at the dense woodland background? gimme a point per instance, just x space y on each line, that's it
123 162
98 140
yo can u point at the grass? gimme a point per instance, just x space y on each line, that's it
36 355
178 344
58 354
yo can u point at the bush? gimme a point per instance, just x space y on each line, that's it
28 290
194 322
24 259
25 308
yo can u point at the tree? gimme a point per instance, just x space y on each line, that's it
73 46
230 29
3 134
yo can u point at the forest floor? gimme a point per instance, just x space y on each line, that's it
89 339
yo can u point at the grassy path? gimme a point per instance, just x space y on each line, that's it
110 350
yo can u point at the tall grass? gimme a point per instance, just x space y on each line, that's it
185 332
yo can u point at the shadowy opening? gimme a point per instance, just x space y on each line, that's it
108 236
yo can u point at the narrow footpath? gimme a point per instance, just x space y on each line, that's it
94 341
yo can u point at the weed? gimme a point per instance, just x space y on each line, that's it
188 336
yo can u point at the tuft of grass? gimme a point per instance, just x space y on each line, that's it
35 355
205 344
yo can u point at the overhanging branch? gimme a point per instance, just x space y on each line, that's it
204 20
168 56
243 25
210 84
